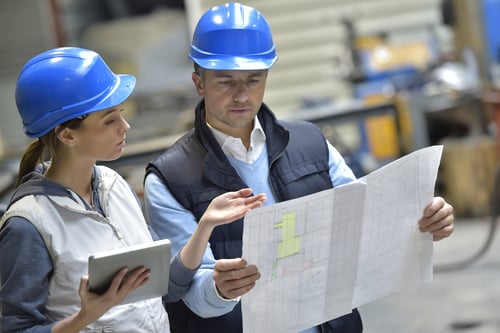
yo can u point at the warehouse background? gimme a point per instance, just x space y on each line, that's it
339 59
150 39
423 65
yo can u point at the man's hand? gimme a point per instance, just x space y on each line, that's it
233 277
438 219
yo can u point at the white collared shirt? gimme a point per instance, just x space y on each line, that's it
234 146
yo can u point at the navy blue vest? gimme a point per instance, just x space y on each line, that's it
195 170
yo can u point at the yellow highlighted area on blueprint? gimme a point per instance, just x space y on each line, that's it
290 244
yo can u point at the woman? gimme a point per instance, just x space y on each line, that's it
67 208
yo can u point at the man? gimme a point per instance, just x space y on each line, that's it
237 142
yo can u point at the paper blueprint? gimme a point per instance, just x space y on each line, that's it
322 255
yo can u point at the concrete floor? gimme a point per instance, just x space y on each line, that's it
459 300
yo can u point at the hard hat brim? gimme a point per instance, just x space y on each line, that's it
123 88
234 63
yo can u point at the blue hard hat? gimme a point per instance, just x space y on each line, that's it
233 37
64 83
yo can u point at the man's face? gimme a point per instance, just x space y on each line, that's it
232 98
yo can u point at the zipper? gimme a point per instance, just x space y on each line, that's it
116 228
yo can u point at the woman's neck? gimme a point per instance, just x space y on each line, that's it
75 176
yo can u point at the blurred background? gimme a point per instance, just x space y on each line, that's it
381 79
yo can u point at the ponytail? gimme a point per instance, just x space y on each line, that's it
31 158
43 149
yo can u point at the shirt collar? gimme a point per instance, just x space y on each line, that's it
234 146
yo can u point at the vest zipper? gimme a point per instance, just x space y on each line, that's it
116 228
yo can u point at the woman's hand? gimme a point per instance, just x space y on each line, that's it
223 209
231 206
95 305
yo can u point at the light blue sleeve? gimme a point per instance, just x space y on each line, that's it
340 173
171 220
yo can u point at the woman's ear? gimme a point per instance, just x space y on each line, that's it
65 135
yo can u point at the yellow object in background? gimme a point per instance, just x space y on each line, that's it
382 137
386 57
402 137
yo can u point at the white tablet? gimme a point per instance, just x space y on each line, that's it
155 256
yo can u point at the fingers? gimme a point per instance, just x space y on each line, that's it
256 200
443 232
124 283
136 278
242 206
248 201
234 278
243 202
436 204
224 265
117 281
438 219
244 192
231 206
247 193
95 305
84 284
436 212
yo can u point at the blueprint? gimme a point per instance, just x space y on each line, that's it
322 255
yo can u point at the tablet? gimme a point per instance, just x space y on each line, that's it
155 256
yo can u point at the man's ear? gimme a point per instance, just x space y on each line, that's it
198 84
65 135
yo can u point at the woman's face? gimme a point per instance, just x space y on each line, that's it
102 134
